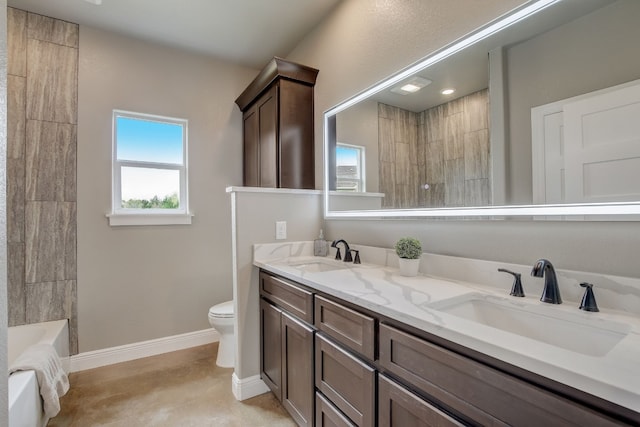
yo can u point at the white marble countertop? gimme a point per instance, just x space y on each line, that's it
613 375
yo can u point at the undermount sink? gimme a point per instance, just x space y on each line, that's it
592 337
318 266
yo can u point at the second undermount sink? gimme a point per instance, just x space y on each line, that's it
318 265
590 337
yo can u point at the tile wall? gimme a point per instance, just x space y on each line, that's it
446 147
42 85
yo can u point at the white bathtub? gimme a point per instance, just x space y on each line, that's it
25 404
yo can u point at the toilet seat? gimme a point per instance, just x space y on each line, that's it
223 310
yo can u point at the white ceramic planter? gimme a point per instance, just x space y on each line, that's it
409 267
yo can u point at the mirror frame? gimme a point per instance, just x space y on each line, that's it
596 211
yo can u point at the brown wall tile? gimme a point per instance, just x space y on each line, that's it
52 88
15 200
454 182
435 162
476 154
476 111
66 241
453 136
477 192
50 161
16 121
40 238
434 121
41 181
52 30
15 284
50 300
386 140
17 42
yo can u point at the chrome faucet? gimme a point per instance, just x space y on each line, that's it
551 292
347 251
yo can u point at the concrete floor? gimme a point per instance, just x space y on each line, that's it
182 388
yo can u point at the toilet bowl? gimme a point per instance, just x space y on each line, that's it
221 317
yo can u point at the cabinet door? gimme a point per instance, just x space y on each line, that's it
251 148
271 347
296 152
297 370
398 407
267 108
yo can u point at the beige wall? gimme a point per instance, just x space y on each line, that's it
141 283
303 214
362 42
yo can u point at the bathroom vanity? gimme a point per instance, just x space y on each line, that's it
334 353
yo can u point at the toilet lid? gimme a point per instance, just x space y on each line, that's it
224 309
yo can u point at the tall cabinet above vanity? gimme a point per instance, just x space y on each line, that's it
277 117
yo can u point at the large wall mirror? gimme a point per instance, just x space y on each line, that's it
535 114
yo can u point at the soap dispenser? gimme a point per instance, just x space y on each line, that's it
320 246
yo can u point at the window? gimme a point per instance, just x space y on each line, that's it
350 167
149 170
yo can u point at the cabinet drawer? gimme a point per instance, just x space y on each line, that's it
328 415
477 392
398 407
347 381
354 330
288 296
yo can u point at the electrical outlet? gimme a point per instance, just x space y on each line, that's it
281 230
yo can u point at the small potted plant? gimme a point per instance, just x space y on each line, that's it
409 251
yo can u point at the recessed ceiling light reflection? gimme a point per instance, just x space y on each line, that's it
447 91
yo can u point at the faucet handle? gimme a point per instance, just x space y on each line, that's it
356 260
338 255
516 288
588 302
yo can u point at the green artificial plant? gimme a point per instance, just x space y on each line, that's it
409 248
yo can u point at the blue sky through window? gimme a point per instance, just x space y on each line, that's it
346 156
149 141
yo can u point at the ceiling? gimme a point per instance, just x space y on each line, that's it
247 32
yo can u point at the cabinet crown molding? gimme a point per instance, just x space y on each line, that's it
276 68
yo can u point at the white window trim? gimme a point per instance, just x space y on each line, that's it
361 163
121 216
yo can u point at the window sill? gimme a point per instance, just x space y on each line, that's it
119 219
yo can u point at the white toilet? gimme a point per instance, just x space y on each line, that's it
221 319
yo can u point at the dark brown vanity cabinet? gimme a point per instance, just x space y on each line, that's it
286 346
368 370
278 133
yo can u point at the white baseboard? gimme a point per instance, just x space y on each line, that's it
124 353
247 388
